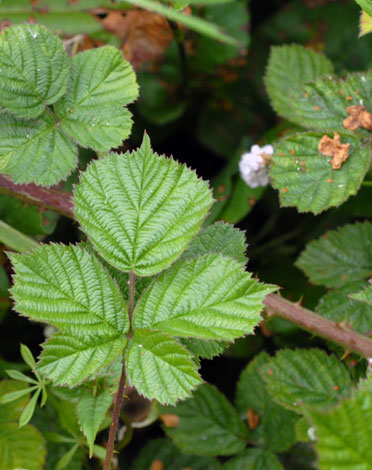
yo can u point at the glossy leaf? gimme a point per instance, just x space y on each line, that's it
140 210
208 425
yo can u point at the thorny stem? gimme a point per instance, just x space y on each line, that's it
120 392
334 331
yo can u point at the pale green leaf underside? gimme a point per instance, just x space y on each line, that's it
290 67
21 448
70 358
218 238
344 434
35 151
254 459
338 305
92 111
140 210
321 104
209 297
343 256
34 69
68 288
91 411
363 296
160 368
305 178
306 377
208 425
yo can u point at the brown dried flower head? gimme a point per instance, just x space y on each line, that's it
358 117
334 148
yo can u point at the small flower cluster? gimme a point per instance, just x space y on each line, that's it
253 165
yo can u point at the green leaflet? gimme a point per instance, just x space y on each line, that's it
38 145
92 111
209 297
91 411
306 377
321 104
208 425
343 434
253 459
275 428
338 305
159 367
140 210
342 256
366 5
34 69
288 69
363 296
12 411
305 178
164 451
63 286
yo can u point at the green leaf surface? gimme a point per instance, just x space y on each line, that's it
21 448
28 357
253 459
38 145
91 411
218 238
321 104
305 178
338 305
208 425
28 412
160 368
366 5
340 257
34 69
16 240
306 377
204 349
163 451
63 286
209 297
275 429
12 411
67 457
289 67
343 434
363 296
92 111
140 210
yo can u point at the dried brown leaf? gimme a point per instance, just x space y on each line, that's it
334 148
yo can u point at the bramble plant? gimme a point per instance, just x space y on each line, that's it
155 282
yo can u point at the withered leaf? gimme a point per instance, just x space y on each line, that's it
334 148
358 117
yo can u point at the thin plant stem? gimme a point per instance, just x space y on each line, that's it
120 392
16 240
367 183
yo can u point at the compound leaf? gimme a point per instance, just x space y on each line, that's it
37 145
305 177
64 286
343 434
208 425
92 111
91 411
253 459
34 69
290 67
208 297
338 305
140 210
306 377
275 425
159 367
342 256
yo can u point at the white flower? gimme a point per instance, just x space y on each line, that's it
253 165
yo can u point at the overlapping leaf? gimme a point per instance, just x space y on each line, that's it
254 459
305 177
343 434
275 427
92 111
342 256
209 297
159 367
306 377
289 67
208 425
63 286
363 296
140 210
34 69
